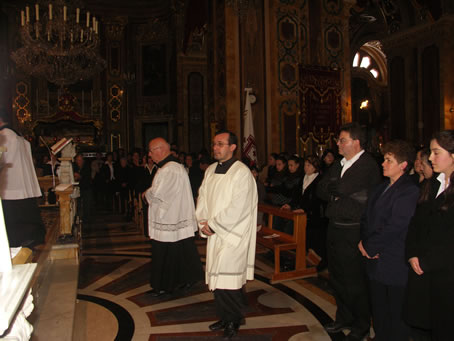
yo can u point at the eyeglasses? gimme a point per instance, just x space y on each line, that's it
219 144
342 140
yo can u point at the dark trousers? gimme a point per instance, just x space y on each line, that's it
174 264
387 302
229 304
23 222
348 278
417 334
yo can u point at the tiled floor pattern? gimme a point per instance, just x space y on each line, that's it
113 301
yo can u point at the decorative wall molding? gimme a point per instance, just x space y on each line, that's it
114 27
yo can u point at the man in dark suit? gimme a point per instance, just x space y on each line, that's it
346 186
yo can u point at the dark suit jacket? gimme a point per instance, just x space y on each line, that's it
347 204
430 297
384 229
309 202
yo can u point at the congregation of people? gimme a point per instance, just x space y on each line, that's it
383 225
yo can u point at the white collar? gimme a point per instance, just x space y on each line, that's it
346 164
443 183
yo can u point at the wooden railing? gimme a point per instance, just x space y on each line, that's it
295 243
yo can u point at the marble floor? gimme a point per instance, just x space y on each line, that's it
114 304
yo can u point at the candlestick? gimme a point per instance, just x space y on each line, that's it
27 13
50 11
22 18
77 15
88 19
64 12
37 12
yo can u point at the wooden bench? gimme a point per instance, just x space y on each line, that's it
286 242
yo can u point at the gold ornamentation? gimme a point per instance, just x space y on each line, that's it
21 103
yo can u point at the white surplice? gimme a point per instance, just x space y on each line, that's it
171 215
17 173
229 203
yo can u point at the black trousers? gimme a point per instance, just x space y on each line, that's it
23 222
230 304
387 302
174 264
348 278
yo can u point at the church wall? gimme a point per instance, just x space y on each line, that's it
426 51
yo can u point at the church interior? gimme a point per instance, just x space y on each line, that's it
114 74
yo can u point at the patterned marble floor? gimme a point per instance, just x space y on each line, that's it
113 301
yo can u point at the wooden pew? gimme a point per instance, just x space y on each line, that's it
286 242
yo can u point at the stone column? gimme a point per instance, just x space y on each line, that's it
65 209
232 61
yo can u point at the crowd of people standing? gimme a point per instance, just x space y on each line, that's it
384 233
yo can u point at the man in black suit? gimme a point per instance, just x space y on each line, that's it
345 186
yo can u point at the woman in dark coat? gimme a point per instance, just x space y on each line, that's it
384 228
429 304
305 200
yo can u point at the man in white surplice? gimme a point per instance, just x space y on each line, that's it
171 224
227 215
19 188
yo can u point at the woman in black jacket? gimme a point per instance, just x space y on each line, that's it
384 228
429 304
304 200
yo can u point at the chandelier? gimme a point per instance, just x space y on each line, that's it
60 43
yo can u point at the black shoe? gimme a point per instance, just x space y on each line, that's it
157 293
217 325
357 336
231 329
335 327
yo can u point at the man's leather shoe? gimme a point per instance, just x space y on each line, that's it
335 327
157 293
217 325
356 336
231 329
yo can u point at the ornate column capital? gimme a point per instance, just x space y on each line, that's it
114 27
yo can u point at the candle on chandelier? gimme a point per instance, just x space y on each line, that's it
22 18
27 13
96 28
37 12
65 9
77 15
88 19
72 37
94 20
50 11
81 35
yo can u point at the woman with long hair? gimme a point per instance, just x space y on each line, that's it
430 291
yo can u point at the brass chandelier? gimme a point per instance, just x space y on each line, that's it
60 43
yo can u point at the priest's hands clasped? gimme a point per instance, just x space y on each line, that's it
206 229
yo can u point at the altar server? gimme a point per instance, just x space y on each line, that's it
171 224
19 189
227 216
